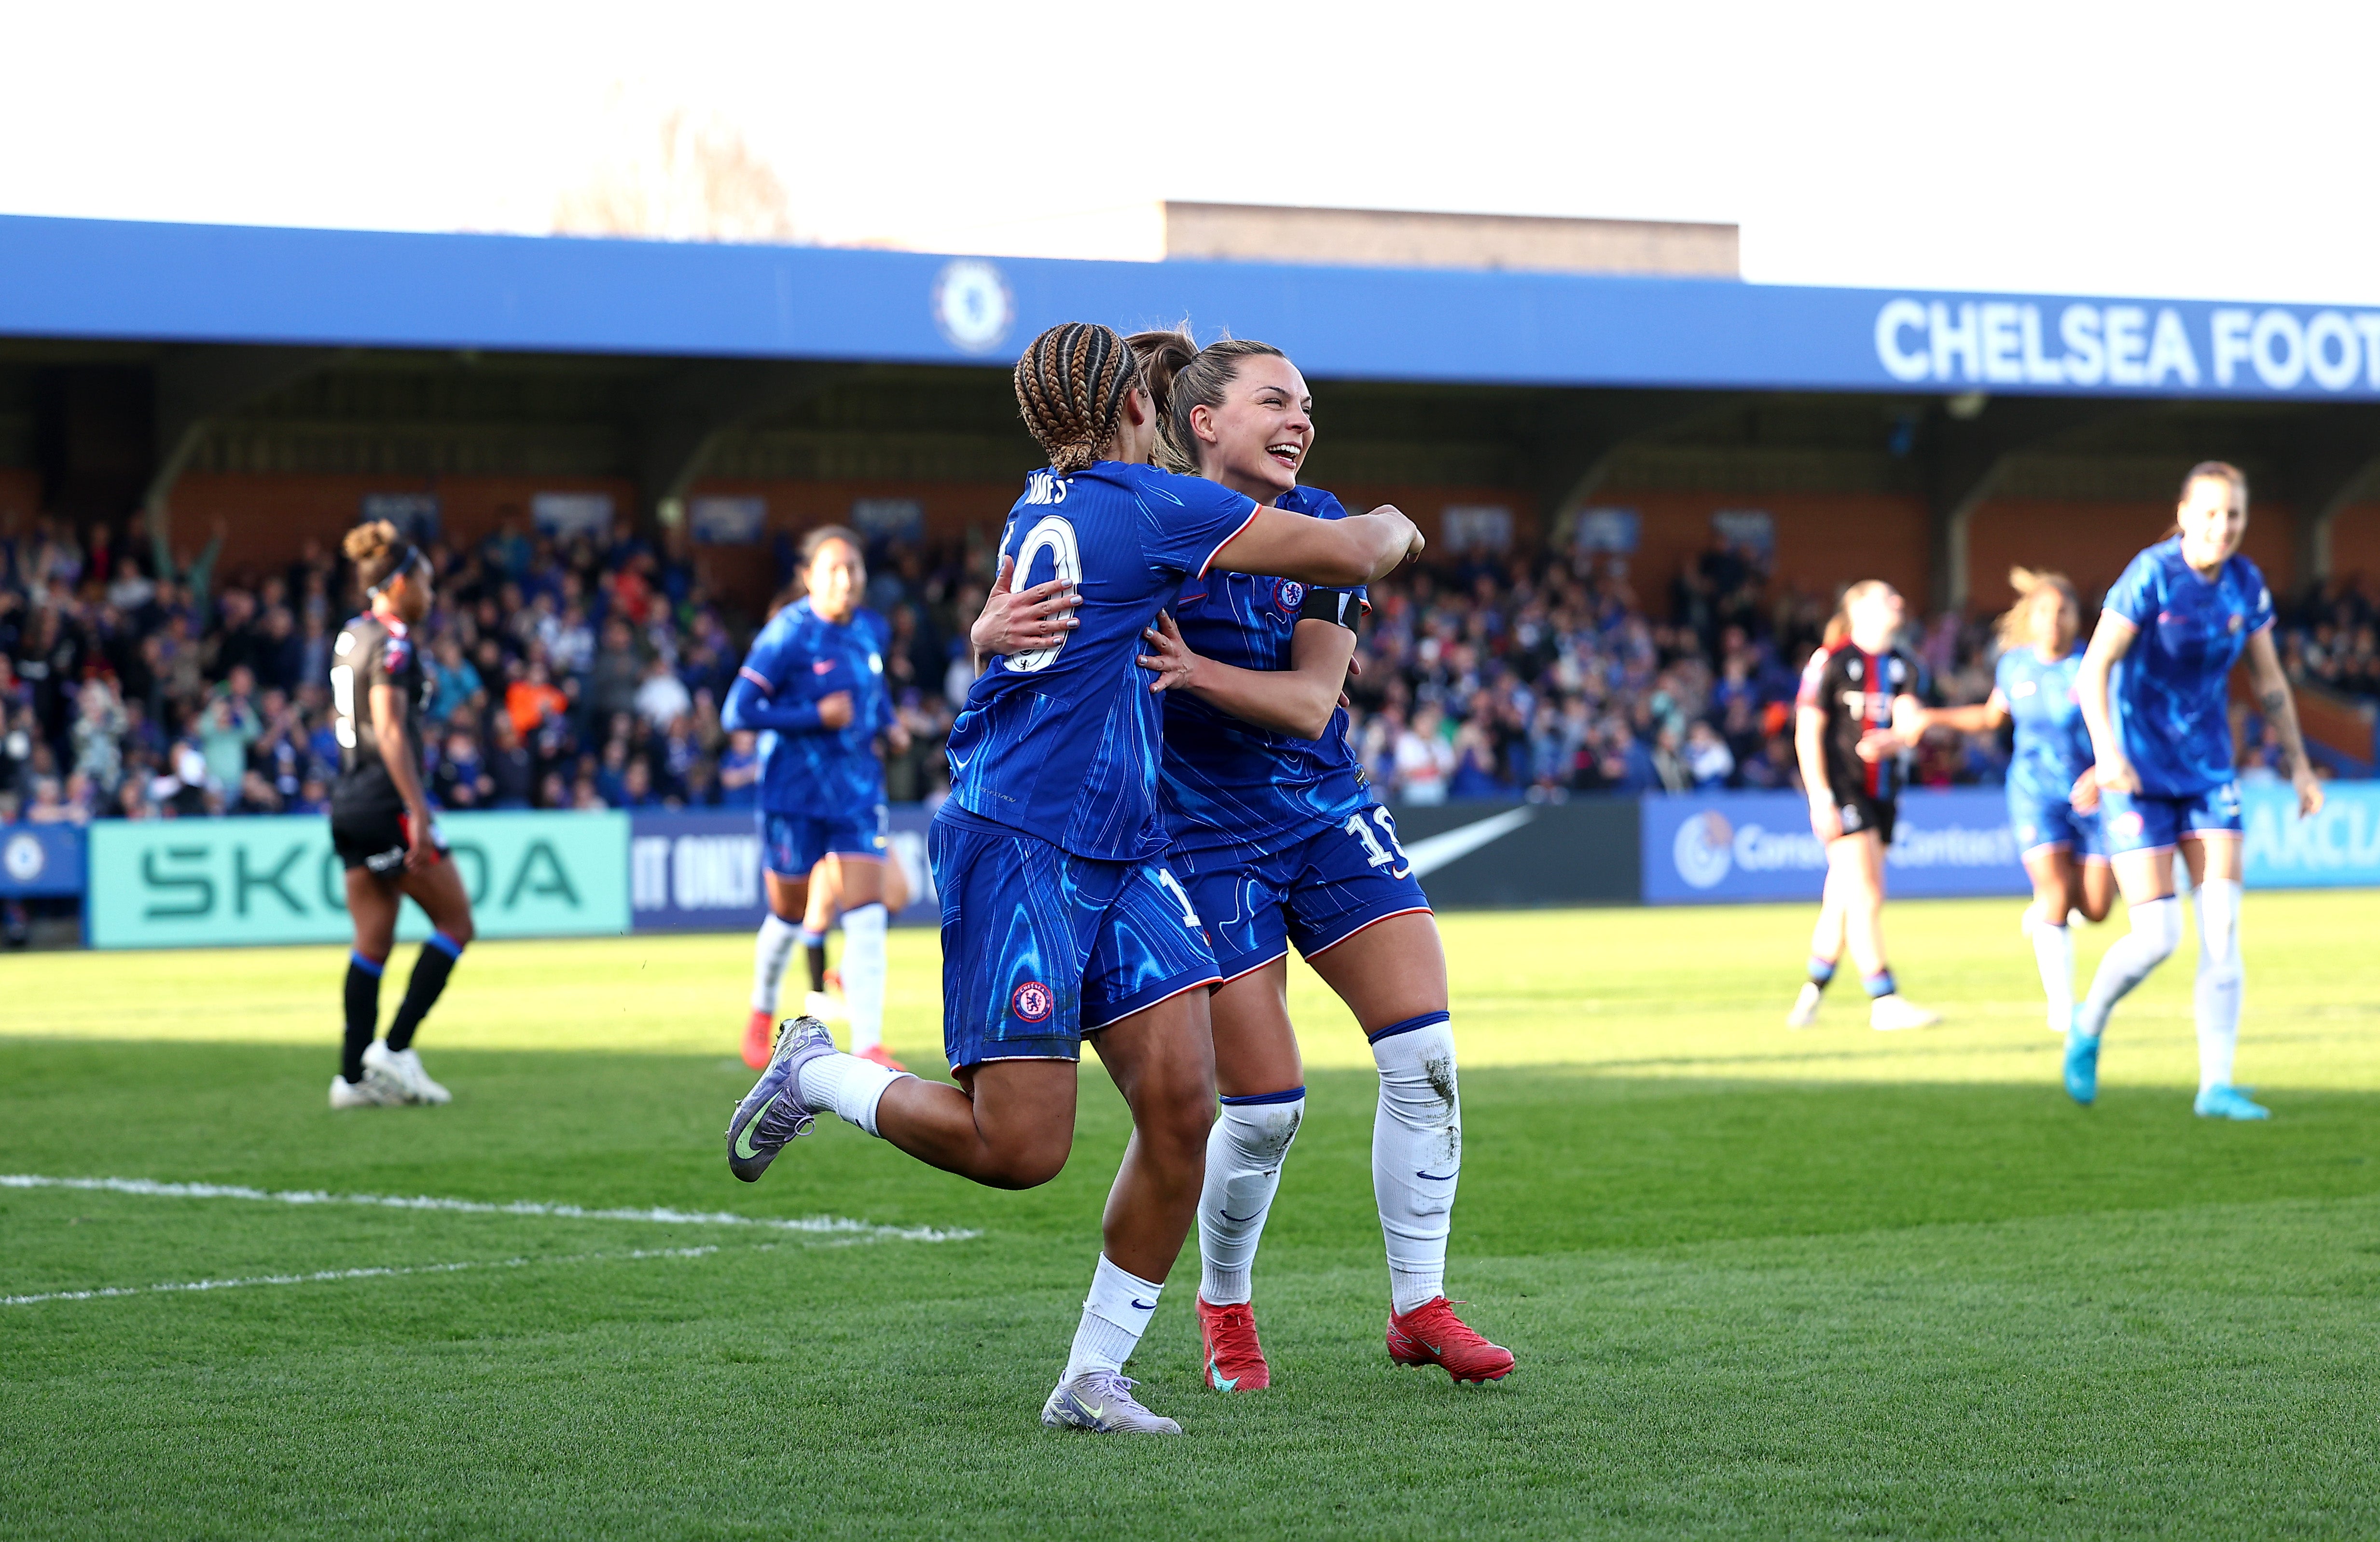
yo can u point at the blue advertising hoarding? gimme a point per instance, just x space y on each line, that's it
2337 848
40 861
701 871
1739 846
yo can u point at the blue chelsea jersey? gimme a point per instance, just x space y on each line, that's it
1227 781
1061 742
2052 747
799 658
2171 691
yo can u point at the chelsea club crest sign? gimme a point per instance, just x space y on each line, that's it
972 305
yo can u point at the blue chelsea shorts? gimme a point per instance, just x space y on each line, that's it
1040 946
791 844
2143 821
2050 821
1316 892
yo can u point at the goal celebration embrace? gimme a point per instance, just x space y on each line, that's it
1059 857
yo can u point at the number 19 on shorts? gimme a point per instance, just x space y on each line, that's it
1376 854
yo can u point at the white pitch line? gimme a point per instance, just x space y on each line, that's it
324 1275
152 1189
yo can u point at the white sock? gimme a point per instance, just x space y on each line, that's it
2220 981
2053 950
2156 929
1115 1315
863 975
849 1086
1417 1153
1244 1152
771 952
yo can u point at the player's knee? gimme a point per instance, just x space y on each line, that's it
1025 1160
2157 925
459 930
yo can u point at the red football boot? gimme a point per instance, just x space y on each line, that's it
1432 1335
881 1056
759 1035
1235 1362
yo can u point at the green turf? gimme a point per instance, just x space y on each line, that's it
1760 1284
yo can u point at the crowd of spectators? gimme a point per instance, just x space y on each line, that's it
140 681
581 672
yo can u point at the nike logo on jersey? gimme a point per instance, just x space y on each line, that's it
823 666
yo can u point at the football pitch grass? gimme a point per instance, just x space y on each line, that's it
1760 1284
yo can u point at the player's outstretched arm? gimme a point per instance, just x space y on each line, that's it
1340 553
1299 699
1983 718
2280 709
2111 642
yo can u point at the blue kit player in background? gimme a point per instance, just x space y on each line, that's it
2181 615
813 687
2063 853
1060 917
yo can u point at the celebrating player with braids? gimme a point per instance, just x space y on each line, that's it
380 823
1279 842
2177 619
2060 844
1060 917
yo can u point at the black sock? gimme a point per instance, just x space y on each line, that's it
363 1013
816 954
430 972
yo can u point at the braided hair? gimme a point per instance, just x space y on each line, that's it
1070 386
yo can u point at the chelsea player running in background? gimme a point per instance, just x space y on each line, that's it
2177 621
1279 840
813 685
2061 846
1060 919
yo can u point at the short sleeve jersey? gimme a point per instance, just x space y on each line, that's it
1225 780
1856 690
2053 746
372 651
2171 688
799 658
1063 742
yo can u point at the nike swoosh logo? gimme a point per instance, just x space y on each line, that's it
744 1138
962 764
1145 1305
1094 1415
1432 852
1222 1383
1442 1177
1229 1216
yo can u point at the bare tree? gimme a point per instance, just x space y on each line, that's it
696 181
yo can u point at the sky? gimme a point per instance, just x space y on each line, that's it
2157 150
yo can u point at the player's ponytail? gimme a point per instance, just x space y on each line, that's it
1070 386
378 554
2015 626
1184 377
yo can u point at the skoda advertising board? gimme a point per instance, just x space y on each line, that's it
1733 846
196 883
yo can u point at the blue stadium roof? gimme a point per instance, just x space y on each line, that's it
99 279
